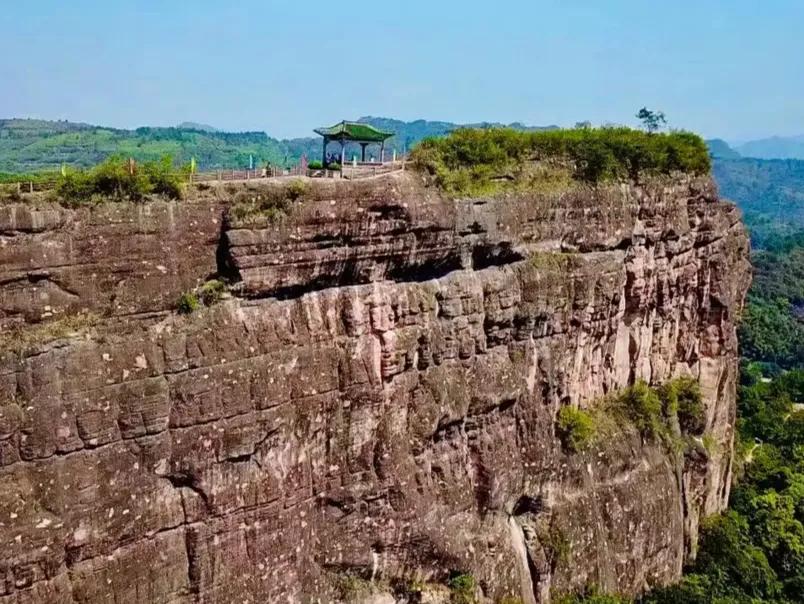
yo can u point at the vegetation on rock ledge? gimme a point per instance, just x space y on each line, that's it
667 412
471 160
117 179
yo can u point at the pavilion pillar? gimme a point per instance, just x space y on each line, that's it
363 152
382 152
343 153
324 153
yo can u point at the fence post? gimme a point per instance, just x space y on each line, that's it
30 187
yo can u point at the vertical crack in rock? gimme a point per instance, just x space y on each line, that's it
191 482
531 580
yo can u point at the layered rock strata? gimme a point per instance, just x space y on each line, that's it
377 399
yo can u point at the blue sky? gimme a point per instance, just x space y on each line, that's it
730 68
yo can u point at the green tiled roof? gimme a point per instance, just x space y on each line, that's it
354 131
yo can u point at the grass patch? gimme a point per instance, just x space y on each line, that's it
19 339
10 193
188 303
212 292
552 261
353 588
266 205
557 546
474 161
208 294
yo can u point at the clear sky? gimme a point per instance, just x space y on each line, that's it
729 68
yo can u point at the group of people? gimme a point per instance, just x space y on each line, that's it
333 158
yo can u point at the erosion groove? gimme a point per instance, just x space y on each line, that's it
376 402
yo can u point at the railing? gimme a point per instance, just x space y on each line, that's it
348 171
222 175
366 170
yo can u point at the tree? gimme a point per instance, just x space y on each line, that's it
651 120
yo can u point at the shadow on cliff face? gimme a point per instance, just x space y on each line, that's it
223 255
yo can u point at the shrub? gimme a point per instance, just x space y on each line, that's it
315 165
212 292
468 159
681 398
10 193
576 429
462 588
690 405
114 178
296 190
642 405
188 303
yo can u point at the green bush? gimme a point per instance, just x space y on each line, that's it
315 165
188 303
681 398
470 158
576 428
114 178
212 292
462 588
642 405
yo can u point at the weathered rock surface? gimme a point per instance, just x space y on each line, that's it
378 399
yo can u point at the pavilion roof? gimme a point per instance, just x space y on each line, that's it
354 131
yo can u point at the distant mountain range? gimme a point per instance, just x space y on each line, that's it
776 147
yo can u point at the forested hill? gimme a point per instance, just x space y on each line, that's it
770 193
35 145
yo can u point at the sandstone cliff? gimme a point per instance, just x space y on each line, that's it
377 399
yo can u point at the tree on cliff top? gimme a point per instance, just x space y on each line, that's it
652 120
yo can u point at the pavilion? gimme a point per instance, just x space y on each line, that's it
353 132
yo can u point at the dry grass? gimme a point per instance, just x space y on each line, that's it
19 339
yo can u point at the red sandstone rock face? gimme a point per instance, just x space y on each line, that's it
378 399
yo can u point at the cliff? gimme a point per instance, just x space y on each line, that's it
373 406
